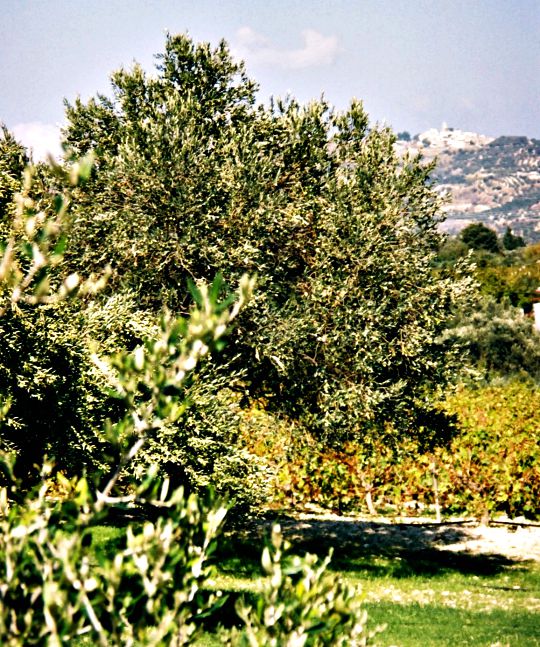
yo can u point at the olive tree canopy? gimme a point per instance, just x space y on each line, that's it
194 178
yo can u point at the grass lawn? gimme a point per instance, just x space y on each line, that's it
433 598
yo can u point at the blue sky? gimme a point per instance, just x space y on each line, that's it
474 64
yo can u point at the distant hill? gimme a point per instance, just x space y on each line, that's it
493 181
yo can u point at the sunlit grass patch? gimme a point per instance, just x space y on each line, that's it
431 625
492 604
432 599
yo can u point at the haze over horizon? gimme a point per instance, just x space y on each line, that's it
415 63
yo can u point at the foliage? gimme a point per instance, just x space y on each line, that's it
479 237
493 465
148 593
301 604
490 466
492 330
13 160
331 479
510 241
515 283
194 179
499 339
511 275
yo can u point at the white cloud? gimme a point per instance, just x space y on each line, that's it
317 50
41 138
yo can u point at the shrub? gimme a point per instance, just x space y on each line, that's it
57 401
148 593
493 465
490 466
301 604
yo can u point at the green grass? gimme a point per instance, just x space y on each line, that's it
411 625
456 600
445 609
432 599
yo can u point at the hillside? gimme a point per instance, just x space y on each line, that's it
494 181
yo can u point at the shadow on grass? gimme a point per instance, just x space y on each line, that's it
403 550
370 548
426 563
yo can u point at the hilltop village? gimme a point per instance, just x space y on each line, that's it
495 181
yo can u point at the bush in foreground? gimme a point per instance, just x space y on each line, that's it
150 592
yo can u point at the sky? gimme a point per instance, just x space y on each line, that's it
473 64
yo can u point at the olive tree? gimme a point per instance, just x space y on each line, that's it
56 401
195 178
